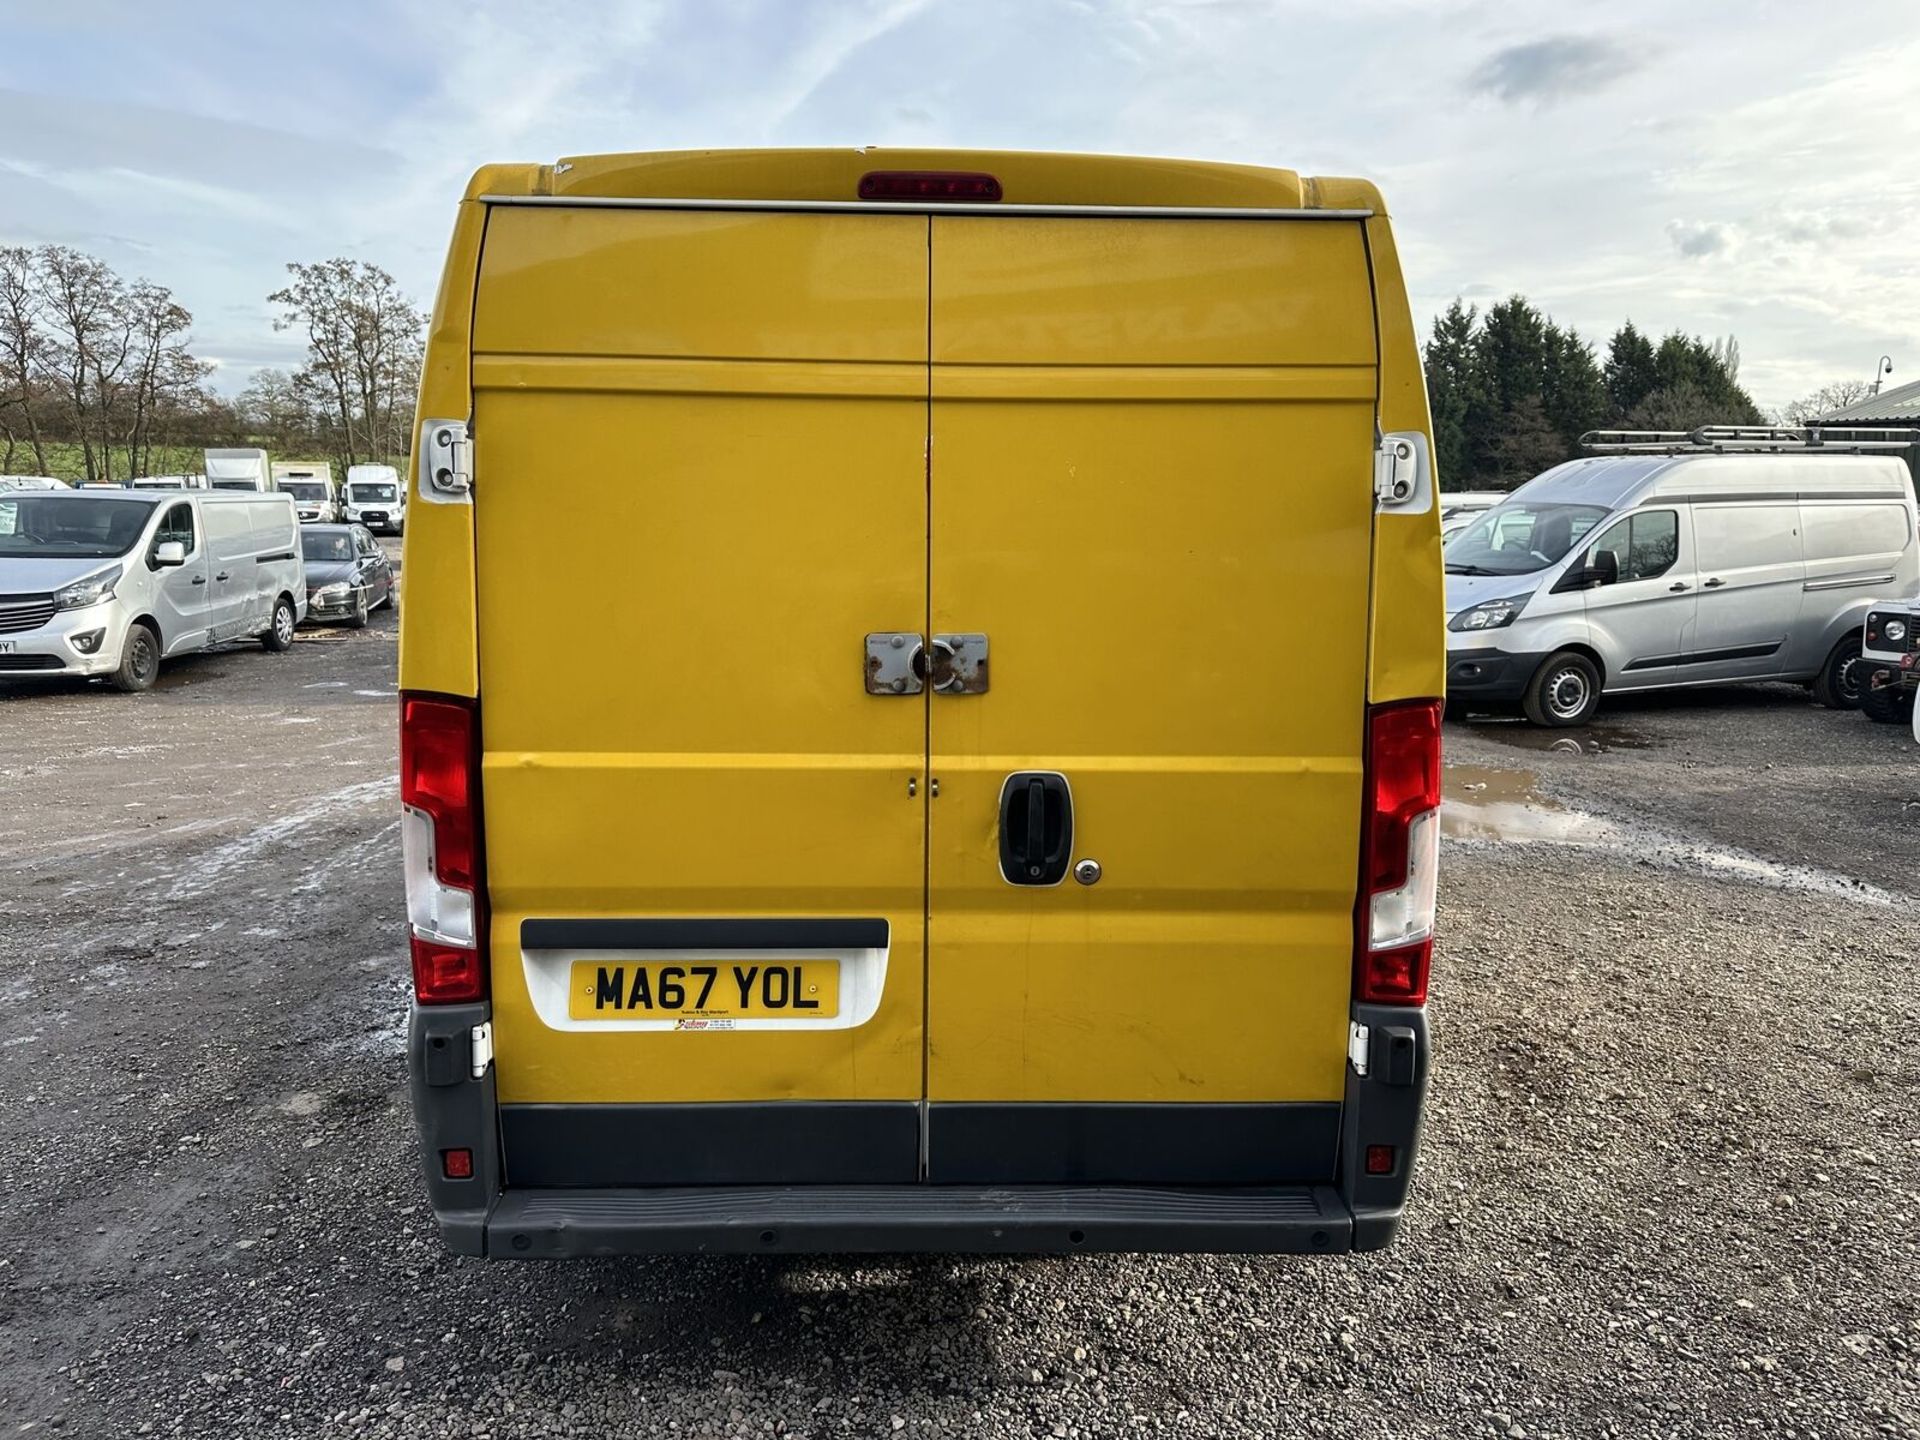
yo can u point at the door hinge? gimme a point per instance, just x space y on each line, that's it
482 1048
446 462
1357 1048
1402 474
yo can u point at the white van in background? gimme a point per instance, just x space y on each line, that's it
315 497
31 482
1678 560
376 498
243 469
110 582
168 482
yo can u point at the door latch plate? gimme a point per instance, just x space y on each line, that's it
895 662
960 664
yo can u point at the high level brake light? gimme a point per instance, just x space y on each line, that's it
440 838
938 185
1393 946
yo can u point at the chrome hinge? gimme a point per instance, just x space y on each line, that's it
446 462
1402 474
1357 1048
482 1048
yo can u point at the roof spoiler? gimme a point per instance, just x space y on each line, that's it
1750 440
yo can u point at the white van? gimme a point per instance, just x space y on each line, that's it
31 482
1677 560
240 469
111 582
316 498
376 498
167 482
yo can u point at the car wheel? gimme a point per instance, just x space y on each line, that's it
358 620
1889 705
1838 685
1564 691
139 661
280 636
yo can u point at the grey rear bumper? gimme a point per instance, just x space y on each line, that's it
1040 1219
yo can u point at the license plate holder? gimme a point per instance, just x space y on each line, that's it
682 991
7 647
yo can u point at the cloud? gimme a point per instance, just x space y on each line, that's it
1545 71
1698 239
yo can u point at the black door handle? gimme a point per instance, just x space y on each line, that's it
199 579
1715 583
223 575
1678 586
1036 827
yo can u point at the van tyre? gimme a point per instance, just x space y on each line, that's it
1839 685
139 660
1564 691
279 635
1889 705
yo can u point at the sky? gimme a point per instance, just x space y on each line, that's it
1721 167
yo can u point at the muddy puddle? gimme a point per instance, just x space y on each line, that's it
1489 805
1581 740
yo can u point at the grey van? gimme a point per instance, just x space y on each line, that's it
1679 561
111 582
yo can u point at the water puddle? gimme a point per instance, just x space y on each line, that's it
1487 805
1581 740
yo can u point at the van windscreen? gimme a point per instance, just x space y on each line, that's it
304 489
62 526
374 494
1517 538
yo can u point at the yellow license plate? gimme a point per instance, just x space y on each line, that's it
711 990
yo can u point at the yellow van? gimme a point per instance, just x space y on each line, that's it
921 691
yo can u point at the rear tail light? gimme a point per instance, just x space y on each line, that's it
1393 944
440 839
947 185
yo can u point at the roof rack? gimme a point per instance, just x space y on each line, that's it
1750 440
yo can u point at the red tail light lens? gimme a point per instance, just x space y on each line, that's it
447 974
1393 943
438 761
947 185
440 842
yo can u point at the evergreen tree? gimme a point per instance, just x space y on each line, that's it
1453 391
1630 375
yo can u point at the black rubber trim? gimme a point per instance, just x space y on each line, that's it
1781 496
1703 657
796 934
1045 1143
778 1142
563 1224
269 559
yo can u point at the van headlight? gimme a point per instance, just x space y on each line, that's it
1895 630
90 590
1490 614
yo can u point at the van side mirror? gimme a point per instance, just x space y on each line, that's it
1604 568
168 553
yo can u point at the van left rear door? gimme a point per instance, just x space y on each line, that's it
700 463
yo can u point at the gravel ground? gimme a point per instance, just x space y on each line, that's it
1669 1185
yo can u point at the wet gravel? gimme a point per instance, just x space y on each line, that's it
1669 1186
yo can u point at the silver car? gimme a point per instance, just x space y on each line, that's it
1643 571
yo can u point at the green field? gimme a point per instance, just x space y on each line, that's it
65 462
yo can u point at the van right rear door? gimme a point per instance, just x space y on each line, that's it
1151 481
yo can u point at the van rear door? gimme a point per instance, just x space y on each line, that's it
1152 516
704 444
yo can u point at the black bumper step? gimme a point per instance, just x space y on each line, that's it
828 1219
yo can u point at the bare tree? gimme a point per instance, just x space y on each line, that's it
364 342
1825 400
23 342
